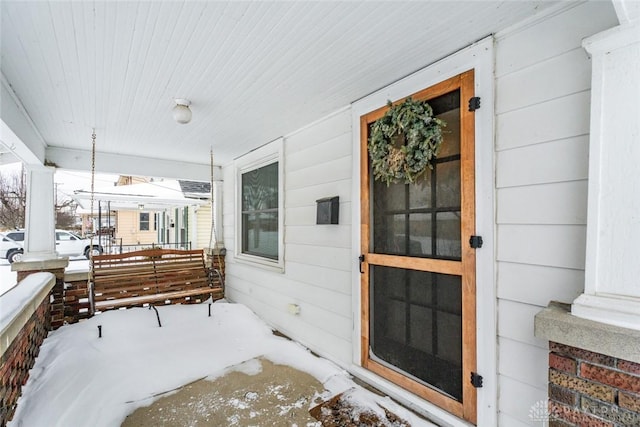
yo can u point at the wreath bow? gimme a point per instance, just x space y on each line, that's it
404 141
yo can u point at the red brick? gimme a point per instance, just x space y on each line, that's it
562 363
582 386
578 353
576 417
611 377
625 365
615 414
563 395
629 401
20 357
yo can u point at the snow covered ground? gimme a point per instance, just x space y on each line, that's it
82 380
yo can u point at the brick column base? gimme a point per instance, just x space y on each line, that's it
55 266
592 389
19 358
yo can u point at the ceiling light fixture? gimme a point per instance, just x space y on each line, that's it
181 112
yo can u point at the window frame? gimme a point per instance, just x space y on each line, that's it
261 157
140 221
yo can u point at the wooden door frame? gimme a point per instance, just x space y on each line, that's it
467 268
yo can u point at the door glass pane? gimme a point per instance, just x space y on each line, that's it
448 235
390 234
448 184
451 136
420 192
420 231
416 326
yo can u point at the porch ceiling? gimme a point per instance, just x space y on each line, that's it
253 71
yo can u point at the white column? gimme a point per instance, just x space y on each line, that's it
612 273
39 239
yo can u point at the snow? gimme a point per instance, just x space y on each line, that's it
9 278
80 379
11 303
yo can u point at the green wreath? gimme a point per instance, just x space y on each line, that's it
404 141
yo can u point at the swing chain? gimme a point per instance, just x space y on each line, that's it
93 172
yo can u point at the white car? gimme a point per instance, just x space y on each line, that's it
67 244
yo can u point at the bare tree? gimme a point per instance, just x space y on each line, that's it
65 214
13 196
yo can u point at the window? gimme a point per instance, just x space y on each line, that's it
144 221
16 237
260 212
65 237
259 187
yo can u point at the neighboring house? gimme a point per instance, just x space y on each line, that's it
189 223
539 160
145 211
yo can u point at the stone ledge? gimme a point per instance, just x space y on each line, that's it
76 276
17 309
555 323
49 264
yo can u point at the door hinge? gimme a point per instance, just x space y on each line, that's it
475 242
476 380
474 103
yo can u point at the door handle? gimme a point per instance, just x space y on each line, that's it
361 259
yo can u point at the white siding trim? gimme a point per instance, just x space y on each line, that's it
479 57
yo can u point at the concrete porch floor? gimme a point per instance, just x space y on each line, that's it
259 393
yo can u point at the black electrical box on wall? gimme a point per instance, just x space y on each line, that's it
328 210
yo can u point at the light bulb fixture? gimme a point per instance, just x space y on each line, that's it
181 112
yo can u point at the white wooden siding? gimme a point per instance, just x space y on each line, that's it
516 399
201 224
513 355
533 164
318 264
542 126
558 203
538 284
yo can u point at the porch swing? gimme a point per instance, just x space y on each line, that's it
150 277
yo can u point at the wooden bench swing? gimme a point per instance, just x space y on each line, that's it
152 276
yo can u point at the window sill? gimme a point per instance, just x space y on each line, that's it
259 262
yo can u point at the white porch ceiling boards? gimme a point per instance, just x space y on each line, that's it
253 71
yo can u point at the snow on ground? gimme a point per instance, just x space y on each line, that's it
80 379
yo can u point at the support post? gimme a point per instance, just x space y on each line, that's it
39 239
612 291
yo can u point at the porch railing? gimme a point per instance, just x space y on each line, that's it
115 246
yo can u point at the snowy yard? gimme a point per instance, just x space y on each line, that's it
80 379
